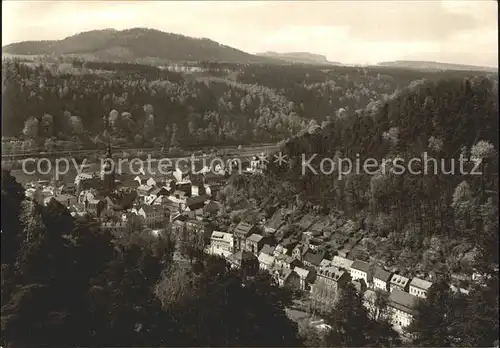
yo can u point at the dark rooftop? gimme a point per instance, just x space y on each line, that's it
243 229
403 301
361 266
314 257
382 274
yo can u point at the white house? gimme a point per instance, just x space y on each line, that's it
266 262
342 263
305 277
381 279
221 243
419 287
402 308
360 270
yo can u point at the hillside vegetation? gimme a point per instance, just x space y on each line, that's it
147 106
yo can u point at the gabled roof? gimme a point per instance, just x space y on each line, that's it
159 190
145 188
195 202
289 242
303 273
279 249
399 280
361 266
403 301
420 283
255 238
342 262
284 273
243 229
267 249
381 274
266 259
314 257
325 263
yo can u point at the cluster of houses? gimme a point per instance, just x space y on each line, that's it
133 202
300 265
156 202
185 201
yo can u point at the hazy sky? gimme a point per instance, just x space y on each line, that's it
352 32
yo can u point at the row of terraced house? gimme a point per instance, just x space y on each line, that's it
296 264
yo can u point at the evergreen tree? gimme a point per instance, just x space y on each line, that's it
349 320
433 319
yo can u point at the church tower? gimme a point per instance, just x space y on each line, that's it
108 171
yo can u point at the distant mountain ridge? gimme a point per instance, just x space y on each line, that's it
426 65
136 44
299 57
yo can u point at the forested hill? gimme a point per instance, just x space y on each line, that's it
424 65
135 44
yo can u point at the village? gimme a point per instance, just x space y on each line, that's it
317 260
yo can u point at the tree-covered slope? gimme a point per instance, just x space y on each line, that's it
223 104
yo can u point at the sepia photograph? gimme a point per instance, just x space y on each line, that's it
249 173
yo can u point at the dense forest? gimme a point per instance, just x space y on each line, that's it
146 106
